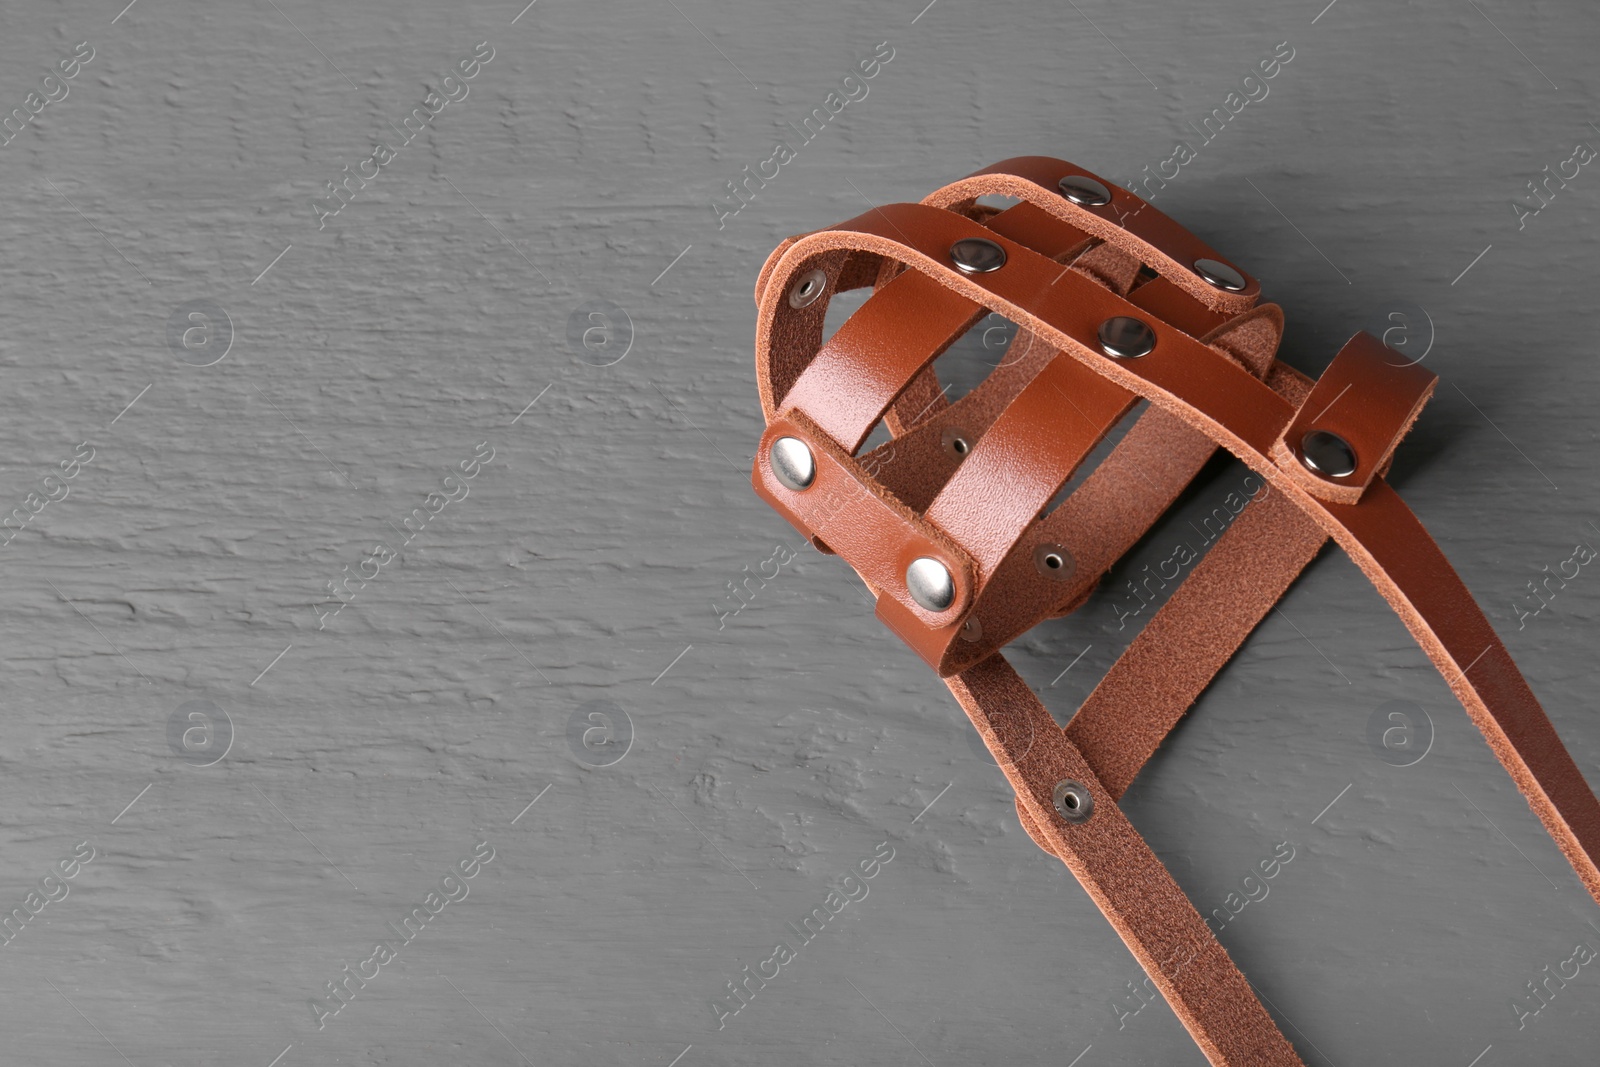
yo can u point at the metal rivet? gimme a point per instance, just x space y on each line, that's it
1073 800
792 463
1124 337
929 583
1082 189
1219 274
955 441
976 255
808 288
972 630
1055 562
1327 454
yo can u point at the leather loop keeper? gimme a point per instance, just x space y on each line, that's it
876 534
1369 396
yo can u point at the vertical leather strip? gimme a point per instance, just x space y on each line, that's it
1025 456
1125 879
870 359
1167 302
1216 392
1043 233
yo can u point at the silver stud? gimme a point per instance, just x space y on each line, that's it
1082 189
1073 800
977 255
929 583
808 288
1124 337
792 463
972 630
1327 454
1055 562
955 441
1219 274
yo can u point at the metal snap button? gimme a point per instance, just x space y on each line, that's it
1327 454
930 584
1217 273
792 463
977 255
1082 189
1073 800
810 286
1124 337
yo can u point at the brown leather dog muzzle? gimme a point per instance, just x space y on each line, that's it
949 522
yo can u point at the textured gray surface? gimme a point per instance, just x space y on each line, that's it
771 754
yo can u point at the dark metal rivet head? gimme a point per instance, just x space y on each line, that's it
955 441
1327 454
1124 337
806 290
972 630
1082 189
1055 562
930 584
792 463
1073 800
1219 274
976 255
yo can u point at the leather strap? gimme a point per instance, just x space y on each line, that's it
1210 379
1124 878
1196 632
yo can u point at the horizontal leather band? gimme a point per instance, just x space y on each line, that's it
1128 221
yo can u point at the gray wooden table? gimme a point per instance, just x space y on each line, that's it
377 411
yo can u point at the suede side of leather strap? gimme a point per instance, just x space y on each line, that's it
1192 637
1114 506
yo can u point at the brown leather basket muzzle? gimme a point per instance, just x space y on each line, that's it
949 522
